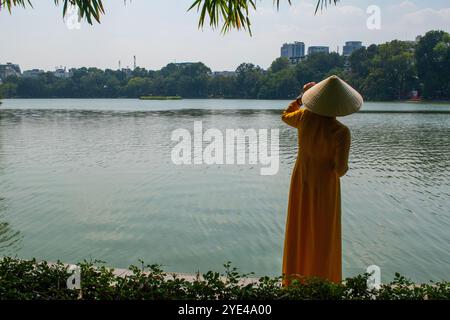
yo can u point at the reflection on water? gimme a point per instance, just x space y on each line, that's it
100 184
10 239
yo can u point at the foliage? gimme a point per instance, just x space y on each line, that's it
433 64
385 72
28 280
160 98
248 80
233 13
389 71
90 9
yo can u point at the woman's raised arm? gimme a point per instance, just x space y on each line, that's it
292 114
343 140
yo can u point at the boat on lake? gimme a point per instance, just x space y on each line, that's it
160 98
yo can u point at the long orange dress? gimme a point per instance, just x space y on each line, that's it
312 245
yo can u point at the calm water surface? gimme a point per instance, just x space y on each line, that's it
82 179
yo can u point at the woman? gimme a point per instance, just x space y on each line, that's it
312 245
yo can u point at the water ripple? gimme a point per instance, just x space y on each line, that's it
100 184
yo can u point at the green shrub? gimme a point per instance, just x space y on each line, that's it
26 280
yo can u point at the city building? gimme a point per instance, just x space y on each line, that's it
9 69
184 64
34 73
127 71
318 49
62 73
223 73
295 52
351 46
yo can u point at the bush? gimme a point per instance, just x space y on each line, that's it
31 279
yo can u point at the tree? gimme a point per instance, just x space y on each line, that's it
360 60
31 88
222 87
433 64
248 80
279 64
384 72
233 13
137 87
318 66
188 80
387 71
8 90
280 85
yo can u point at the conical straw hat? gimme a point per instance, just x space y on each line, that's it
332 97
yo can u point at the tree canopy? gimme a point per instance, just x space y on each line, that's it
388 71
433 64
232 14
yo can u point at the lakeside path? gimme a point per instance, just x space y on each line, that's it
169 275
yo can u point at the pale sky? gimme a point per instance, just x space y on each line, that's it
161 31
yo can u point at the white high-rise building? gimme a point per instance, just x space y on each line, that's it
293 51
9 69
33 73
318 49
351 46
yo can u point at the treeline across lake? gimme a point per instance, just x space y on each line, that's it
389 71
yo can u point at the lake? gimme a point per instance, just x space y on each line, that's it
94 179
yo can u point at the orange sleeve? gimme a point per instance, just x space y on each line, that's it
292 114
342 152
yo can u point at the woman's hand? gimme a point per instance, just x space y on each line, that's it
289 116
306 87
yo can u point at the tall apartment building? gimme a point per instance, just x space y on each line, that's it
33 73
318 49
9 69
293 51
351 46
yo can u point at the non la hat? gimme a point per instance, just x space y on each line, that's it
332 97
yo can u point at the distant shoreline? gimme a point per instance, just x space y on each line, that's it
180 99
160 98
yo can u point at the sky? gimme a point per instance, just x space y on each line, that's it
162 31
